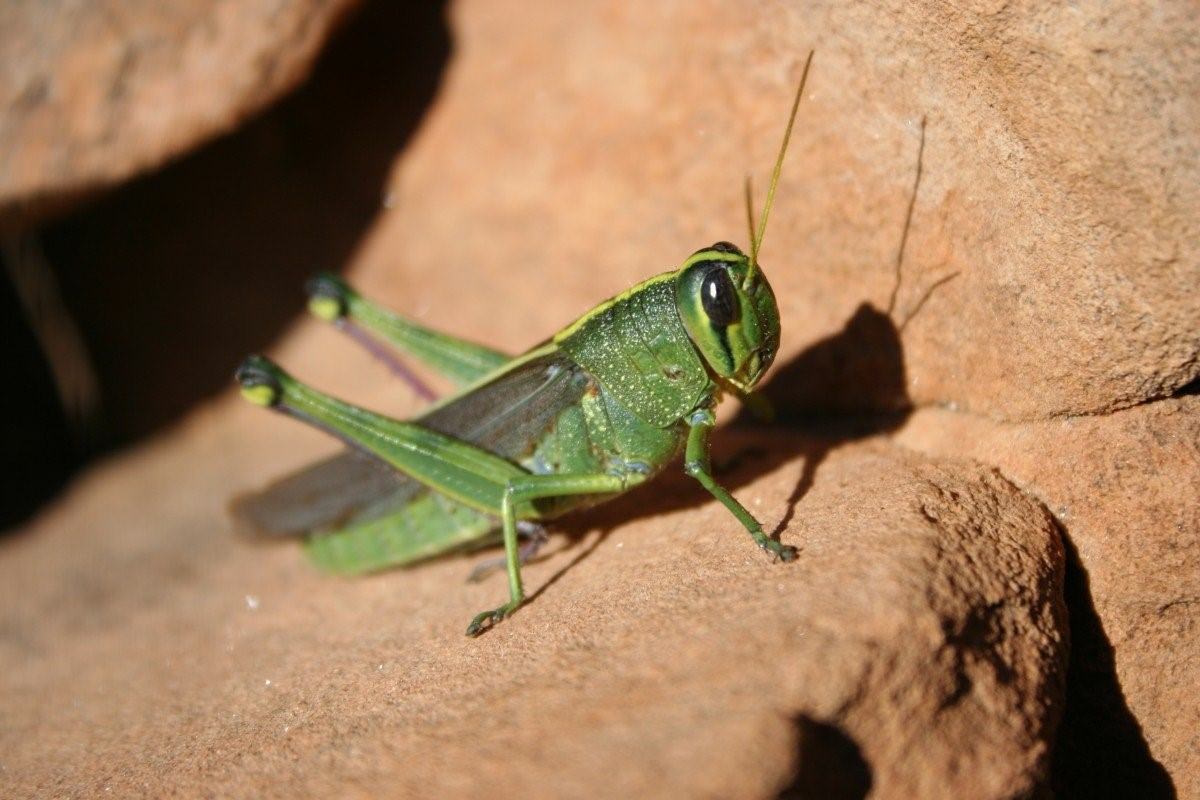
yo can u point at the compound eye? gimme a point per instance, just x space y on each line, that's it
719 298
725 247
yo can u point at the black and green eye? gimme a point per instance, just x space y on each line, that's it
719 298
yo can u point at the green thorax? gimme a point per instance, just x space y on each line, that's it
636 347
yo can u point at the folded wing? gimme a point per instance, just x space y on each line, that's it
506 413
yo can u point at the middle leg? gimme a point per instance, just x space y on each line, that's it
520 491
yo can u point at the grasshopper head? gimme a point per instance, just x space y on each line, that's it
729 312
724 299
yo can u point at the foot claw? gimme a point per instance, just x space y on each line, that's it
778 550
488 619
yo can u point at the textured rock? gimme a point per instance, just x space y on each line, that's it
585 146
917 646
92 93
1126 490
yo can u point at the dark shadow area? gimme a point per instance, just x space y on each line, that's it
830 765
174 277
1188 389
858 370
39 451
1100 750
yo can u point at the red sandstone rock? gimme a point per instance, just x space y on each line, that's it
94 93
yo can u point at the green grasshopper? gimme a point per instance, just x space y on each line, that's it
593 411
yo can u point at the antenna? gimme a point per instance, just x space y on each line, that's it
750 221
756 240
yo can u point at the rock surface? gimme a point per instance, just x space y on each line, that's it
917 647
93 93
1126 490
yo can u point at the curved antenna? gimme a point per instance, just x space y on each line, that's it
756 240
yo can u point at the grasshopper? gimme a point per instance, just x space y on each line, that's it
591 412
